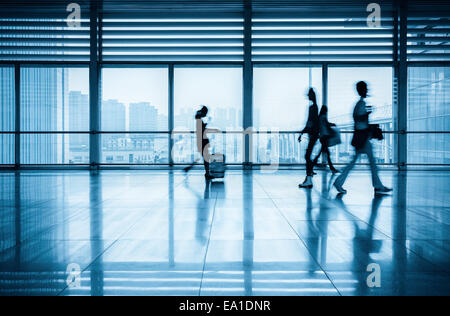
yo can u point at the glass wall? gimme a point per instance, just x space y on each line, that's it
342 98
429 111
220 89
135 100
281 104
54 100
7 114
135 113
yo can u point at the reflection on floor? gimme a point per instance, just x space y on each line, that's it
160 233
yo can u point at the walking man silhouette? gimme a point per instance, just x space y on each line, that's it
362 144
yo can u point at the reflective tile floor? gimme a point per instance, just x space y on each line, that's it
161 233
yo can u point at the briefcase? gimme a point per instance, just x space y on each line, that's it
376 132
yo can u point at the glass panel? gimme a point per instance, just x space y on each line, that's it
278 149
429 99
384 151
429 148
220 89
7 155
343 96
135 148
280 97
7 114
54 99
7 99
282 148
135 99
185 147
37 149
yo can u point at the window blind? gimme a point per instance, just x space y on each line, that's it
289 30
428 30
173 30
38 30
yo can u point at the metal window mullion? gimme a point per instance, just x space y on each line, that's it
402 79
171 111
17 127
325 84
248 84
324 93
94 80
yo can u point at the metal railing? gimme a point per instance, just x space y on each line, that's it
154 147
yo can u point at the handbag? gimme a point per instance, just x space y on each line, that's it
376 132
335 137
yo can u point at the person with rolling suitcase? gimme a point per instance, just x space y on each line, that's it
203 143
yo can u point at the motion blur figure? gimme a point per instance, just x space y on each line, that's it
362 144
312 128
325 133
203 143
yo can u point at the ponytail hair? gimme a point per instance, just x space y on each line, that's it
201 113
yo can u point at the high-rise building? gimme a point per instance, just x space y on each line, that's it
78 121
113 116
78 118
113 119
162 122
44 103
143 117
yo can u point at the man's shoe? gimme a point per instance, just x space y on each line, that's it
339 188
383 190
335 171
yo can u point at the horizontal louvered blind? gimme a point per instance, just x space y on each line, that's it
173 30
213 30
320 31
428 30
38 30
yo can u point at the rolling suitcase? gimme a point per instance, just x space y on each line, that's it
217 166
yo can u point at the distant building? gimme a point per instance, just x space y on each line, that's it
113 120
78 121
143 117
163 123
113 116
44 104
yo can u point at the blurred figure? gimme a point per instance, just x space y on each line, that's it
325 134
203 208
364 243
312 129
362 144
203 143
